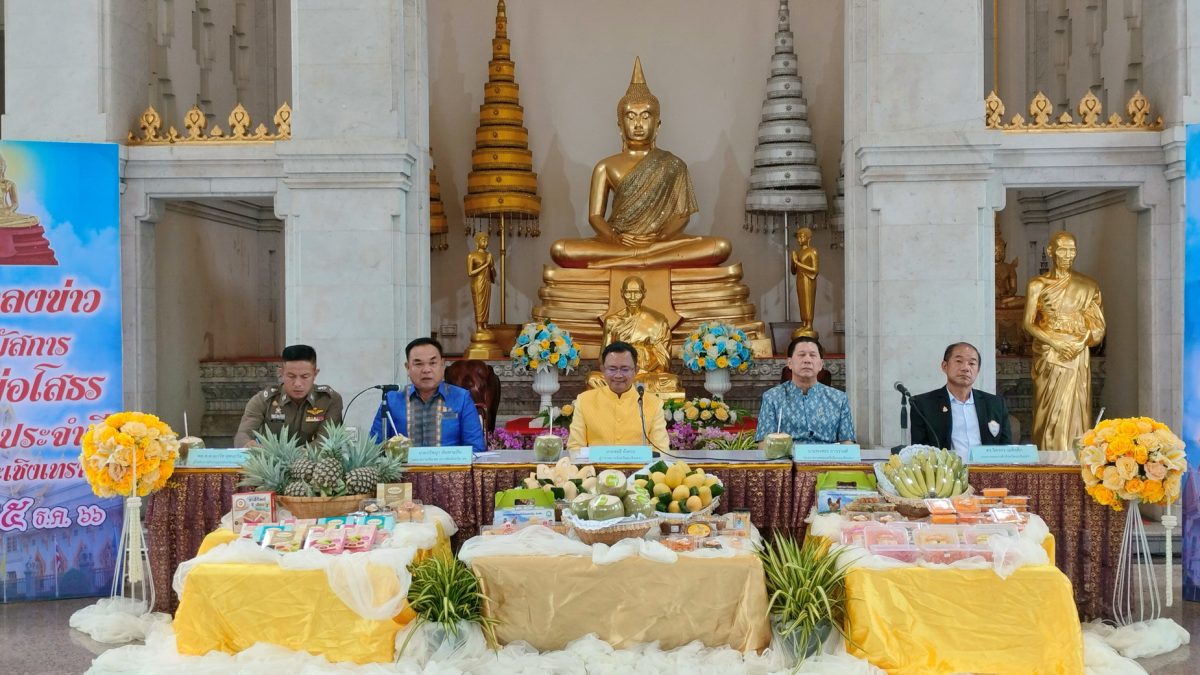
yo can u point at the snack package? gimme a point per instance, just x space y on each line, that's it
335 521
522 515
330 540
995 492
283 541
382 521
883 535
937 535
680 543
248 531
393 494
260 531
360 538
252 507
939 506
414 512
1005 515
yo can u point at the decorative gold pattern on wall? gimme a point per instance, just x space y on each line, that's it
195 122
1041 114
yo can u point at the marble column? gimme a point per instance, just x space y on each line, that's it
919 242
72 71
354 192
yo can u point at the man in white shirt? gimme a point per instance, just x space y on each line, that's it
958 416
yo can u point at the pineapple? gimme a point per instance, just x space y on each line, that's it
297 488
264 472
362 466
338 440
328 474
301 468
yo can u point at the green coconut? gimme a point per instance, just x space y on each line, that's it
611 482
605 507
579 505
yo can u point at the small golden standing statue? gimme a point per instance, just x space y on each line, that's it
1065 316
481 270
1006 277
650 334
652 200
805 265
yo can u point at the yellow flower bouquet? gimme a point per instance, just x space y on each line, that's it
128 449
1132 458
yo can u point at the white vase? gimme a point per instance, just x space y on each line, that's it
132 580
545 384
717 382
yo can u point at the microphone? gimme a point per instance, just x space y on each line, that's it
899 386
905 395
385 388
641 391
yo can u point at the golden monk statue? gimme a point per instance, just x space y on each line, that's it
652 200
649 333
1064 315
1006 277
805 265
9 203
481 270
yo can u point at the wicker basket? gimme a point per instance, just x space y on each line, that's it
321 507
915 508
612 534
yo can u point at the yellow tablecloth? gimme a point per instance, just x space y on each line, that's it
917 620
231 606
550 601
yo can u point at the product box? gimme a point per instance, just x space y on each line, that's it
283 541
523 515
360 538
394 494
832 500
336 521
260 531
385 522
326 540
253 507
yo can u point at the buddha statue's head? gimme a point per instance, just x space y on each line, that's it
481 240
638 112
633 291
804 236
1001 248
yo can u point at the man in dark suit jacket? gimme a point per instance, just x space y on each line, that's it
957 416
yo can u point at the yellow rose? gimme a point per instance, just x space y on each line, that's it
722 414
1127 467
1112 478
1089 477
722 362
701 362
706 415
1152 491
1088 439
1102 495
568 410
1171 485
1134 486
691 413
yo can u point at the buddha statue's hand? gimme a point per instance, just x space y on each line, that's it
635 240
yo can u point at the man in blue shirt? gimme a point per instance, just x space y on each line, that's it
808 410
429 411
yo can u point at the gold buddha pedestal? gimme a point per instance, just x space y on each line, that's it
22 237
642 235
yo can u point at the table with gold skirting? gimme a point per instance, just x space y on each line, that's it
230 606
177 519
550 601
922 621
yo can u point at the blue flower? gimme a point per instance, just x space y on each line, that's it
734 362
523 339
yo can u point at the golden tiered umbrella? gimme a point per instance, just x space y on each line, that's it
502 187
438 228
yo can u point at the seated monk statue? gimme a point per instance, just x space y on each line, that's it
652 200
649 334
1006 278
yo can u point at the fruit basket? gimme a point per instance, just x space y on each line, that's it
920 472
321 507
609 531
677 491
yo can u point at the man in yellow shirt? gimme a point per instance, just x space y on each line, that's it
609 415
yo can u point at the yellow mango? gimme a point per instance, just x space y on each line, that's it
673 507
694 480
680 493
658 477
705 496
694 504
660 489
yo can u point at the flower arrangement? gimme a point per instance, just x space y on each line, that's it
1132 458
502 439
125 447
561 416
541 345
716 345
700 412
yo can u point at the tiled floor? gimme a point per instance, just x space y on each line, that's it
35 640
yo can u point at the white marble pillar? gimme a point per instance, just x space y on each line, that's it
75 70
356 232
919 243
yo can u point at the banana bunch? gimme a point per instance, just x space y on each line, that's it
928 473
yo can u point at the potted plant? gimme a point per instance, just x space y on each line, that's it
445 592
807 589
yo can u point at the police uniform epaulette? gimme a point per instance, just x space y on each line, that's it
323 388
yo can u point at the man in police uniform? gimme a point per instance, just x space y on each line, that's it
298 404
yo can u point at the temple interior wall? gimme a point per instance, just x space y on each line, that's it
573 61
219 295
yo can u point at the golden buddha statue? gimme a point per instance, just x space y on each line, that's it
650 334
9 217
1065 316
1006 277
805 265
481 270
652 200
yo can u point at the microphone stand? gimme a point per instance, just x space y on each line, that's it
641 390
385 410
905 434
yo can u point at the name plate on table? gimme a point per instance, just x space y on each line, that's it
444 455
216 458
827 452
619 454
1003 454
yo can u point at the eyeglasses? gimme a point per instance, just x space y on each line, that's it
614 370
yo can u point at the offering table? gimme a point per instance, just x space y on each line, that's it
921 620
548 601
230 606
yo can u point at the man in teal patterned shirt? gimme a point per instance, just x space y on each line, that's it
808 410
